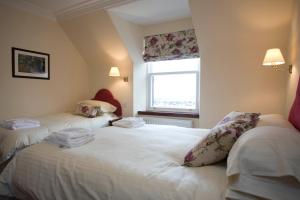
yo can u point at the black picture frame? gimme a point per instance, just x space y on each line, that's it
30 64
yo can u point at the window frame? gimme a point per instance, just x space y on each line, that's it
150 88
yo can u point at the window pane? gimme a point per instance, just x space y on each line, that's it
174 91
174 65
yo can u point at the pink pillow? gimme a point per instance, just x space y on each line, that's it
294 117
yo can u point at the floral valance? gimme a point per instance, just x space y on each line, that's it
171 46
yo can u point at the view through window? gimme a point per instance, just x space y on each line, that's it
174 85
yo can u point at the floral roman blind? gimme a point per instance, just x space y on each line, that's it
171 46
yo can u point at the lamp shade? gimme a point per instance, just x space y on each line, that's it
273 57
114 71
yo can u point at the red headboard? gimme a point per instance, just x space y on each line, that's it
106 95
294 117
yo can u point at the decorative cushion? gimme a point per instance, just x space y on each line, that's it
294 116
217 144
104 106
234 116
87 110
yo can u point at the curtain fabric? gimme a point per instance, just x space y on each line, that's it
171 46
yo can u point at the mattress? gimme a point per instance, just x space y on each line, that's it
127 164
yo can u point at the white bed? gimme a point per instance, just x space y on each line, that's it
141 163
12 141
146 163
69 120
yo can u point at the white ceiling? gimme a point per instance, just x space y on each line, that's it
63 8
55 6
146 12
142 12
68 7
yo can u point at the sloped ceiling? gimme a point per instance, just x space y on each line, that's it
145 12
99 43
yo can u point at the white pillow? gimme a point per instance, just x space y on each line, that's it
274 120
266 151
249 187
105 107
87 110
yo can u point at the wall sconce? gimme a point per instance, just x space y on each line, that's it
274 58
115 72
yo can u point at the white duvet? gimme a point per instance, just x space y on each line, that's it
14 140
120 164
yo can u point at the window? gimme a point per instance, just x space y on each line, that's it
174 85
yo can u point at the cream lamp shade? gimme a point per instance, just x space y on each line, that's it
114 71
273 58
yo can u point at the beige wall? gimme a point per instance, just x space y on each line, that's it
98 42
132 37
293 78
69 75
233 36
168 27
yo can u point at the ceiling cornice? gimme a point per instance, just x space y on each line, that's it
29 7
87 7
73 11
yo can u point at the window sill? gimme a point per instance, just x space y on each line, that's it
170 114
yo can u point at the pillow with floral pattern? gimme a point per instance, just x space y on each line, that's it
217 144
87 110
234 116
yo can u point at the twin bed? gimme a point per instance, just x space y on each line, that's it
125 164
140 163
13 140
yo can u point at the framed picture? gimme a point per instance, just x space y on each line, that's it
30 64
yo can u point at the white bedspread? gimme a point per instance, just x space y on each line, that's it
120 164
14 140
61 121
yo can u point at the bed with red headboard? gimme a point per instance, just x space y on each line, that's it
106 96
17 140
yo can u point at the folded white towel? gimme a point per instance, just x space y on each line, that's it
130 122
70 143
22 121
19 123
71 133
22 126
71 137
